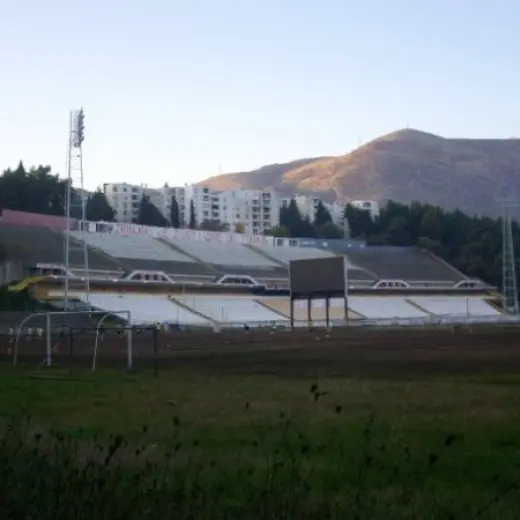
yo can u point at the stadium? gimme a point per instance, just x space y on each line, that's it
199 279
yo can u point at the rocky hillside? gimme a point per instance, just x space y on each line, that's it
407 165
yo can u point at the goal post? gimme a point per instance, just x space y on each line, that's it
48 327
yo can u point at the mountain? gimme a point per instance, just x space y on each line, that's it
270 176
405 166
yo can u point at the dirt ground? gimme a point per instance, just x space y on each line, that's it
340 352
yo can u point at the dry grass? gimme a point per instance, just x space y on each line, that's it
395 429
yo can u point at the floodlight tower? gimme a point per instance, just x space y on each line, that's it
509 285
76 198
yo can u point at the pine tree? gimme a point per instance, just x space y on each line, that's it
174 213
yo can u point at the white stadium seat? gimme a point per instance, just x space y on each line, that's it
230 309
237 310
138 247
218 253
455 306
384 307
286 254
146 309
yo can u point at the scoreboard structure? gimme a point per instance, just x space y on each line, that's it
318 278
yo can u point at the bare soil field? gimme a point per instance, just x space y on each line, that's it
341 352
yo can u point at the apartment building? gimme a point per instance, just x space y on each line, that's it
369 205
253 211
308 206
125 198
250 211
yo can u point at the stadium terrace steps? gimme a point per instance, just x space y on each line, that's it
361 275
455 306
118 263
496 304
42 245
388 307
415 304
171 245
318 313
146 309
284 255
410 264
271 308
230 258
440 260
142 252
236 310
170 268
260 251
180 303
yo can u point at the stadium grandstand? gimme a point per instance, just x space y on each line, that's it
202 279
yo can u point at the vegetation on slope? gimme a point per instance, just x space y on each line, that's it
266 176
404 166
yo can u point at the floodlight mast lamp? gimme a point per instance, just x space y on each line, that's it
75 172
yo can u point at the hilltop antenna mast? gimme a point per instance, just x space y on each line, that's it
76 199
509 285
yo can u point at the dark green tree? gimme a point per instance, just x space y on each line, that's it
36 190
193 218
360 222
322 215
291 219
304 228
430 224
98 208
398 231
149 214
175 221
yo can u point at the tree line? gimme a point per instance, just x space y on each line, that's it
38 190
472 244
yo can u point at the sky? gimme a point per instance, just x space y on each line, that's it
176 91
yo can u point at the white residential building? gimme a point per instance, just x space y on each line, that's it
308 206
250 211
125 198
369 205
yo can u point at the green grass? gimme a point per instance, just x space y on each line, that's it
258 446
